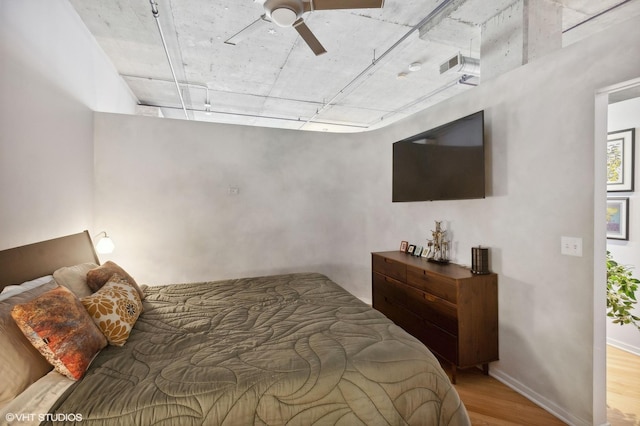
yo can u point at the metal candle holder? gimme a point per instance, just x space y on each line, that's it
480 260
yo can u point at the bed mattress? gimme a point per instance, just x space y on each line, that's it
287 349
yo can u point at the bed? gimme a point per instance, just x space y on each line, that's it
286 349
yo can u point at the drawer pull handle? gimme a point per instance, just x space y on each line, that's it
388 261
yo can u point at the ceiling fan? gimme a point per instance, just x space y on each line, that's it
288 13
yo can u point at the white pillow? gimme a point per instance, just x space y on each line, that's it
75 278
12 290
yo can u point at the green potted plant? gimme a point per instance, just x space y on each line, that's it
621 293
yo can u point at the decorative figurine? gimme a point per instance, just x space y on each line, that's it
438 247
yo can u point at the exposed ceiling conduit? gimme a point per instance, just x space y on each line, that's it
156 15
375 62
208 94
266 117
421 99
596 15
209 109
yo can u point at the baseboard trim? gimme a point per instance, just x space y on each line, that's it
536 398
623 346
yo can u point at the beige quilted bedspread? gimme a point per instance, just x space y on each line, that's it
291 349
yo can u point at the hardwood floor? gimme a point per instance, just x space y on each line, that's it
623 387
490 402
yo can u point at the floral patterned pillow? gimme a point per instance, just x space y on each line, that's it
115 309
58 326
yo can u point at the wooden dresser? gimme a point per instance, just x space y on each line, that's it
449 309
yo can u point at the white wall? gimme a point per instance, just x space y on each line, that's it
626 115
312 201
52 75
305 200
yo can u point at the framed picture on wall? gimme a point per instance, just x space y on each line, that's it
618 218
620 173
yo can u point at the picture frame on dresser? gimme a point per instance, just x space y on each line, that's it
404 245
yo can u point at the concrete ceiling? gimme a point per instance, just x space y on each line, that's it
273 79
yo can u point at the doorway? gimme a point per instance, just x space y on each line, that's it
609 118
623 341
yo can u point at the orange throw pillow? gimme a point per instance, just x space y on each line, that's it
60 328
99 276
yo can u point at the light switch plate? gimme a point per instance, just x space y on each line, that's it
571 246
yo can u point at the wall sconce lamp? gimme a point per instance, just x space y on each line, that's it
105 244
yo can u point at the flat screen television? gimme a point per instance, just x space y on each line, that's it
445 163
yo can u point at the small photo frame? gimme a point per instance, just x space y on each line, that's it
404 246
618 218
620 155
425 252
411 249
417 251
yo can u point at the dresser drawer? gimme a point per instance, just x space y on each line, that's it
434 284
439 341
385 302
437 311
386 287
424 305
388 267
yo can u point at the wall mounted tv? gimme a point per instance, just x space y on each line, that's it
445 163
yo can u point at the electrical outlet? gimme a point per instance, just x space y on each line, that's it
571 246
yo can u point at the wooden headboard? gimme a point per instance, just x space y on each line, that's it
25 263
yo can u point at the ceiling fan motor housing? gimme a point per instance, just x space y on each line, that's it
284 12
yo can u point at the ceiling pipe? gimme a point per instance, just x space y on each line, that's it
265 117
421 99
156 15
212 111
596 16
375 62
208 90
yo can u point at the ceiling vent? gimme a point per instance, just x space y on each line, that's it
461 64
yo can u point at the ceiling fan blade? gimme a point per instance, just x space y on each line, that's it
342 4
248 30
308 37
